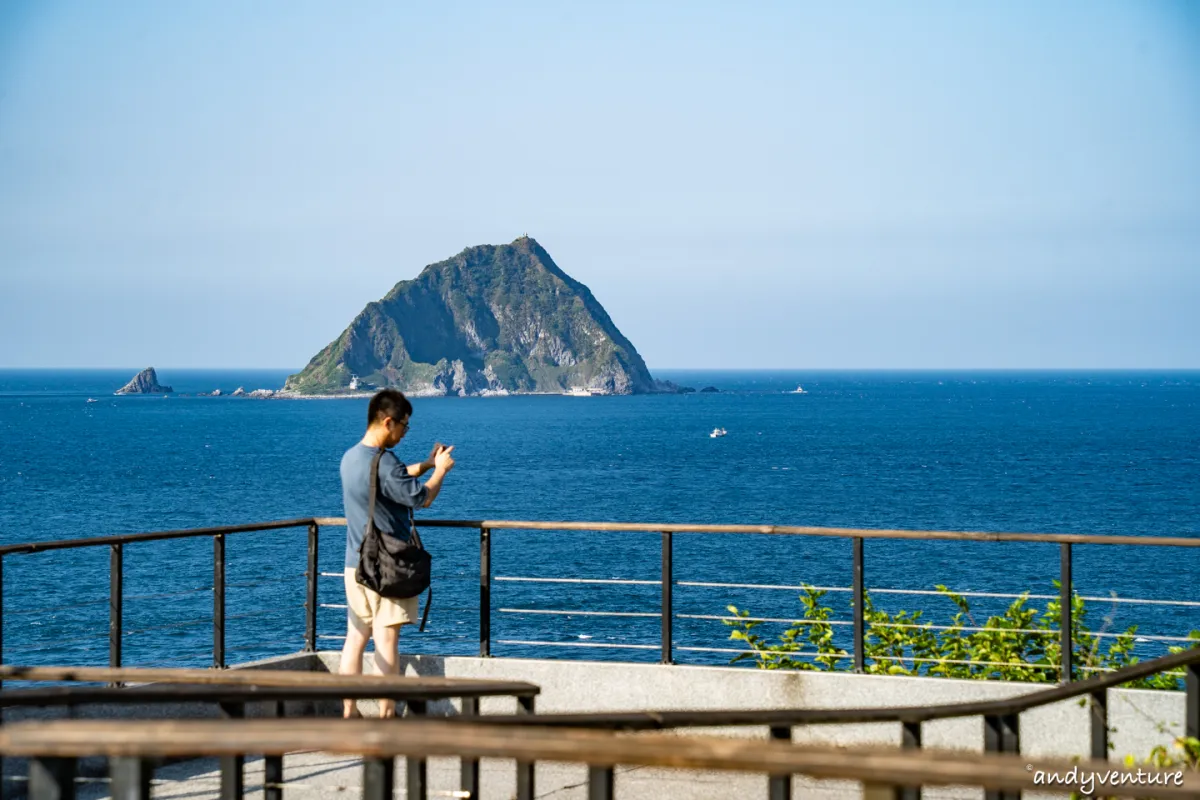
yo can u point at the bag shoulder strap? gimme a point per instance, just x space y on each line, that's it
373 492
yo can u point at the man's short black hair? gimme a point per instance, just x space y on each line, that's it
388 403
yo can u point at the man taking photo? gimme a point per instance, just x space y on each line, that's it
400 491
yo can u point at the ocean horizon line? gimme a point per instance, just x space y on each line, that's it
693 370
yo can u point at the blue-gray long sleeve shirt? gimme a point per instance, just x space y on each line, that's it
398 495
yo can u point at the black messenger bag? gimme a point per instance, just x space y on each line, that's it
389 565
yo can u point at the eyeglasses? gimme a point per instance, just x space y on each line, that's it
405 425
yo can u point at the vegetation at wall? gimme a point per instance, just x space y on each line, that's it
1022 644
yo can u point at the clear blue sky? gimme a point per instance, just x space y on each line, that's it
895 185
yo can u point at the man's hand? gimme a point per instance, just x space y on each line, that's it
442 459
443 462
428 463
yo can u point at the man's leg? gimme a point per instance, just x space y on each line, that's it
387 659
357 635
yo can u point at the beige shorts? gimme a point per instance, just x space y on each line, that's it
367 608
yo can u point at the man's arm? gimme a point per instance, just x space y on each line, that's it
397 483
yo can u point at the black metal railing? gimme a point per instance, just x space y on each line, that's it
1065 543
666 613
116 578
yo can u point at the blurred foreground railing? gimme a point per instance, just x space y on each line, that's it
133 748
54 745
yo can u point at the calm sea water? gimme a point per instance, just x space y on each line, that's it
1070 452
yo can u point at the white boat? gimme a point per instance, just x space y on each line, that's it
92 400
578 391
799 390
717 432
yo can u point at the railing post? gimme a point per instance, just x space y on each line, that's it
272 765
52 779
469 767
379 778
600 783
1002 734
233 768
219 601
485 592
1065 598
310 603
1192 684
779 787
526 788
668 611
910 739
130 778
116 581
416 770
860 595
1099 723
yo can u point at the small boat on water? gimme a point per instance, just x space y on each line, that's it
798 390
92 400
717 432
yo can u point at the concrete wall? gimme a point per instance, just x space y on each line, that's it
1140 719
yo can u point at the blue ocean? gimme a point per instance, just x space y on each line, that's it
1071 452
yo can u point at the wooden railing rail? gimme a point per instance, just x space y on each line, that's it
69 739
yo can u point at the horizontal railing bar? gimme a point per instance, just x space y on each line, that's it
260 645
657 527
88 695
578 644
235 677
1174 673
175 662
933 593
1088 598
252 584
332 605
332 574
764 619
264 612
808 530
931 627
578 613
331 636
129 538
1187 603
208 620
165 595
25 779
577 580
9 651
841 656
54 609
473 739
705 584
917 660
188 624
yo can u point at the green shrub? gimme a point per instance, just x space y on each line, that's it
1022 644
